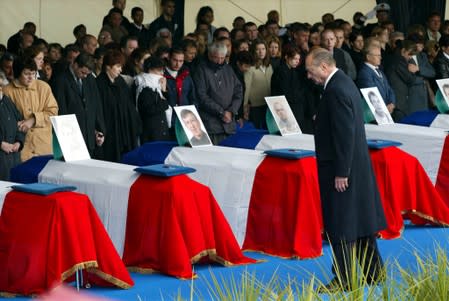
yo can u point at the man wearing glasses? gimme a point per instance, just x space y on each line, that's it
370 75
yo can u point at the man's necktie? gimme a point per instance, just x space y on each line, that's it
80 86
378 72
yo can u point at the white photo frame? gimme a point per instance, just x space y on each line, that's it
193 126
70 138
377 105
283 115
443 85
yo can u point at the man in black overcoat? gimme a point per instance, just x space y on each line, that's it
76 92
352 211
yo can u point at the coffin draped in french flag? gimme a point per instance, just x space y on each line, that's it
45 239
404 185
157 224
239 179
232 173
272 204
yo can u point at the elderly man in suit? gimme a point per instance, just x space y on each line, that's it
370 75
352 211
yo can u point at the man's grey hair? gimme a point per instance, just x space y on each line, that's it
187 112
217 47
369 47
321 55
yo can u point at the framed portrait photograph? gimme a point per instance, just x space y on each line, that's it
283 115
69 137
443 86
377 105
193 126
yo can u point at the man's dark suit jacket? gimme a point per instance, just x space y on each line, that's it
87 107
341 150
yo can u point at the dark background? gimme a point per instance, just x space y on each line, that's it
407 12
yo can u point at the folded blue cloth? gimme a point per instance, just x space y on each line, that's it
28 171
42 188
164 170
380 143
422 118
290 153
244 138
150 153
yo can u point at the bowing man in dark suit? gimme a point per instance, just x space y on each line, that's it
352 211
76 92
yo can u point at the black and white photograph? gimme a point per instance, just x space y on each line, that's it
69 137
377 105
443 85
283 115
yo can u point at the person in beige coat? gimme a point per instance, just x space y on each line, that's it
35 101
258 85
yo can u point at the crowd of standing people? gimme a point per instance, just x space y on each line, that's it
122 86
123 83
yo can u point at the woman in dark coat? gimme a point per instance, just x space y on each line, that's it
152 101
441 63
357 43
122 121
401 73
419 92
11 139
289 80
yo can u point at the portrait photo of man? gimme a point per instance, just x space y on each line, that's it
377 105
283 115
193 126
443 85
446 90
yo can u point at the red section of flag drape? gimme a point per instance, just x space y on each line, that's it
44 239
173 223
442 183
406 191
285 216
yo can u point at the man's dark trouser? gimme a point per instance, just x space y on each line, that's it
367 255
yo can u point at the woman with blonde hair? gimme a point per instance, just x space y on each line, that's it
258 85
381 34
274 49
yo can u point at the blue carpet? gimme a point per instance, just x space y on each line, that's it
160 287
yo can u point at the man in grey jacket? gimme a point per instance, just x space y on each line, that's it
219 93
